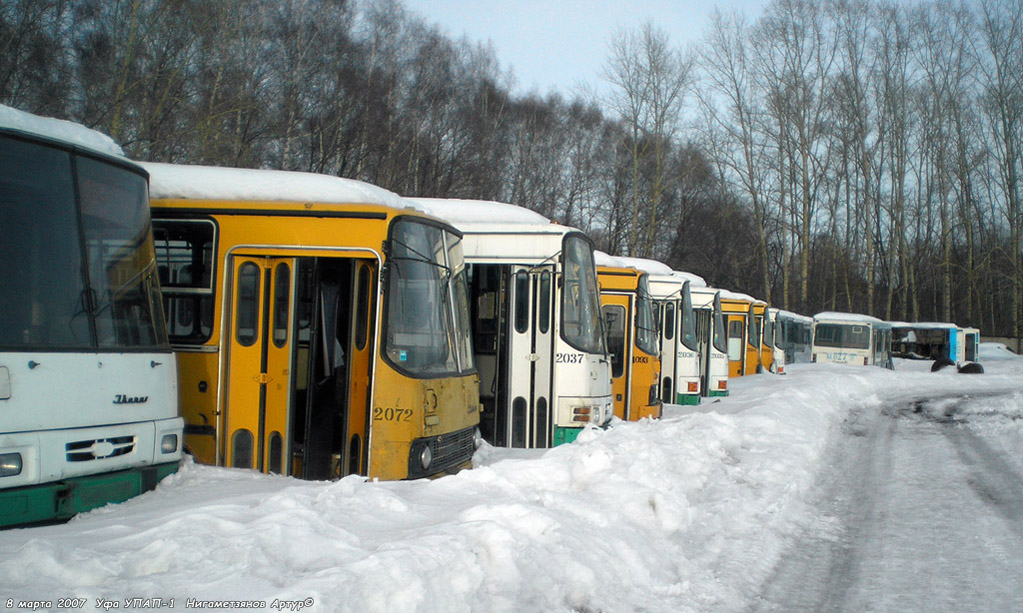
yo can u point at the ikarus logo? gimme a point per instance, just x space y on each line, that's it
126 399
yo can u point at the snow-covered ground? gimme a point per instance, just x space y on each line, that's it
688 513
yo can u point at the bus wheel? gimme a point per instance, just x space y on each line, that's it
941 363
971 368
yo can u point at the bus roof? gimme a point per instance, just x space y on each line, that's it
602 259
457 212
652 267
924 325
58 129
836 316
795 316
177 181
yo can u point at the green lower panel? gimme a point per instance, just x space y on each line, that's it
687 399
565 435
717 394
64 499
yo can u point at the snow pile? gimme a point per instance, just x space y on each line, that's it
688 513
58 129
996 351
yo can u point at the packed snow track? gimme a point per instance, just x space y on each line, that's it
920 508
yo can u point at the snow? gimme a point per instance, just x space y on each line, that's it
686 513
58 129
996 351
178 181
831 316
459 212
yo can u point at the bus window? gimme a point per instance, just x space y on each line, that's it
735 349
720 338
646 325
614 315
184 249
842 335
669 320
687 335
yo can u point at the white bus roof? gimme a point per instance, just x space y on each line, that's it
835 316
924 325
457 212
177 181
795 316
58 129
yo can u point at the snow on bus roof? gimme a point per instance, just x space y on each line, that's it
792 315
647 265
59 129
178 181
727 294
850 317
655 267
457 211
923 325
603 259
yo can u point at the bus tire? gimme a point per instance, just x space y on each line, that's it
941 363
971 368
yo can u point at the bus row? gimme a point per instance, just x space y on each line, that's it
313 326
851 338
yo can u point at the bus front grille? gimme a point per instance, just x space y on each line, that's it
98 449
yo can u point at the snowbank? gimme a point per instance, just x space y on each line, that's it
688 513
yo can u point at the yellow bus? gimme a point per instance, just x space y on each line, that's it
633 341
744 353
320 324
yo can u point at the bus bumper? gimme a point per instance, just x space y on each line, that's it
717 393
61 500
687 399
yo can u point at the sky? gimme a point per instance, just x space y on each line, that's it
558 45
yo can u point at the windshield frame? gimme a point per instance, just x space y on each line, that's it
130 314
647 335
453 363
593 343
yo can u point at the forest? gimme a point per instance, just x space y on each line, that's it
854 155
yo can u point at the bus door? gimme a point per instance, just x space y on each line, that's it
530 354
617 323
736 323
668 353
334 357
258 363
704 329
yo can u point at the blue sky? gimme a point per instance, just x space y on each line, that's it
559 44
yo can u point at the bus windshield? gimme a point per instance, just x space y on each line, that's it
426 335
720 338
580 308
852 336
687 335
55 217
646 324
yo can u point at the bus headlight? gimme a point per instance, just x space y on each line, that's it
425 457
169 443
10 464
477 438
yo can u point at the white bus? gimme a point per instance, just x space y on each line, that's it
793 336
712 341
88 387
849 338
537 330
